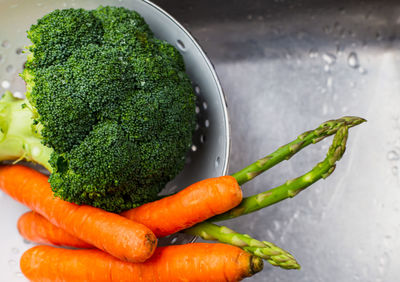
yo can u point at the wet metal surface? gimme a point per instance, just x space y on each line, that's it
286 66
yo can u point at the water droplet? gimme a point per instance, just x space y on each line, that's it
12 263
393 155
9 68
313 53
217 161
270 235
362 70
327 29
5 84
5 44
324 109
329 82
277 225
197 89
339 50
329 58
19 274
342 32
352 60
384 260
18 94
344 109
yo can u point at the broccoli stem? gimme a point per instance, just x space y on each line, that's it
18 139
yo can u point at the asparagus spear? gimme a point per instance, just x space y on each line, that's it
287 151
292 187
263 249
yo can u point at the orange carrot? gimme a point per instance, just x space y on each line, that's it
118 236
192 205
191 262
34 227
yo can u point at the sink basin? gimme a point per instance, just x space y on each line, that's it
286 66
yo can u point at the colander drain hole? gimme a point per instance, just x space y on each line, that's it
181 45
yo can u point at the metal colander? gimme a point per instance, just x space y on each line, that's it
210 150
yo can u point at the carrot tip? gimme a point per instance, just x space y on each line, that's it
256 265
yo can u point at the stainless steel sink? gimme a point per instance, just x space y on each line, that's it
286 66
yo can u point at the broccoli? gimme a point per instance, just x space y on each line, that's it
109 108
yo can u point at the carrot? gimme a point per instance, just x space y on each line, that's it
192 205
34 227
118 236
191 262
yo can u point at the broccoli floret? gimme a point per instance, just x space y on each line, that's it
112 102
